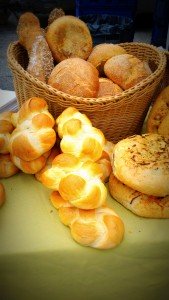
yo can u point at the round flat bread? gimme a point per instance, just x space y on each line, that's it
67 37
140 204
158 118
142 163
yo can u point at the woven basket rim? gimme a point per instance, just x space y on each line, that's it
101 100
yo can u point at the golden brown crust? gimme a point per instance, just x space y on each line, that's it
140 204
77 182
108 88
7 167
76 77
126 70
78 135
142 163
101 53
34 134
2 194
31 37
158 118
68 36
6 128
99 228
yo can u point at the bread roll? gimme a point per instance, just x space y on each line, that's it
105 161
77 182
108 88
33 166
80 138
75 77
141 162
7 167
99 228
140 204
6 128
68 36
158 118
31 37
126 70
34 134
2 194
101 53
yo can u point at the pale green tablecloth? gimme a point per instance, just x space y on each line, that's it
40 260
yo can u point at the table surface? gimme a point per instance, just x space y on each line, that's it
37 250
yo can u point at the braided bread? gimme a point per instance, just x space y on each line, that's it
99 228
78 135
34 134
2 194
33 166
77 182
6 128
105 160
31 37
7 167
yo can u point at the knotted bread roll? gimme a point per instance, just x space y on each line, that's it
77 182
34 134
6 128
105 160
78 136
7 166
99 228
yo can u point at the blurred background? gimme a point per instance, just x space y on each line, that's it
109 21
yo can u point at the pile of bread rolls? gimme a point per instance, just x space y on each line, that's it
72 158
62 55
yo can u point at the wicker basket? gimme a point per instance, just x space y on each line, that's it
117 116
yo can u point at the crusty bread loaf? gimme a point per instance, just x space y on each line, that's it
140 204
77 182
31 37
158 118
108 88
141 162
7 167
55 14
78 136
2 194
34 134
102 52
126 70
76 77
99 228
68 36
6 128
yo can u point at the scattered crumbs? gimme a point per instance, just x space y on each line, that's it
130 231
51 211
139 230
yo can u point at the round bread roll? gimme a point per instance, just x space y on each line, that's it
76 77
101 53
140 204
126 70
2 194
142 163
108 88
68 36
7 167
158 118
